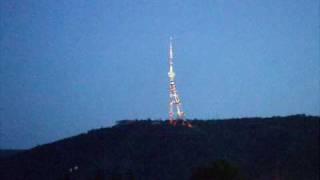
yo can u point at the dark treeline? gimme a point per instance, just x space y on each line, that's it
246 148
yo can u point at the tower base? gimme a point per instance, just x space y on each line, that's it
180 122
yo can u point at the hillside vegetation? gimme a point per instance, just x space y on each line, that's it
250 148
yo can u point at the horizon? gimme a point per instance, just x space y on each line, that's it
162 120
68 67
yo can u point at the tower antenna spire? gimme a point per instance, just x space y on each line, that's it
176 113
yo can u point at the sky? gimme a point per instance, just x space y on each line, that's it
70 66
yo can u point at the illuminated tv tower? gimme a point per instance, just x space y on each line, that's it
176 113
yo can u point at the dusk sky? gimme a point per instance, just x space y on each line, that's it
70 66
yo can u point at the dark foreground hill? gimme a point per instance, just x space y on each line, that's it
259 148
4 153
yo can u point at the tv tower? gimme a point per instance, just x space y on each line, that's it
175 105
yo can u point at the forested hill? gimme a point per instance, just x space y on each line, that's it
4 153
247 148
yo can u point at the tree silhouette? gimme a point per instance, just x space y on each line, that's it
218 170
99 175
66 176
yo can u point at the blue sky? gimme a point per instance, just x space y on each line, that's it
70 66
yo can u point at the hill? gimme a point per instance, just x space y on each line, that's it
4 153
260 148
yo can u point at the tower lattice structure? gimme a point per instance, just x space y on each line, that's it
176 113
